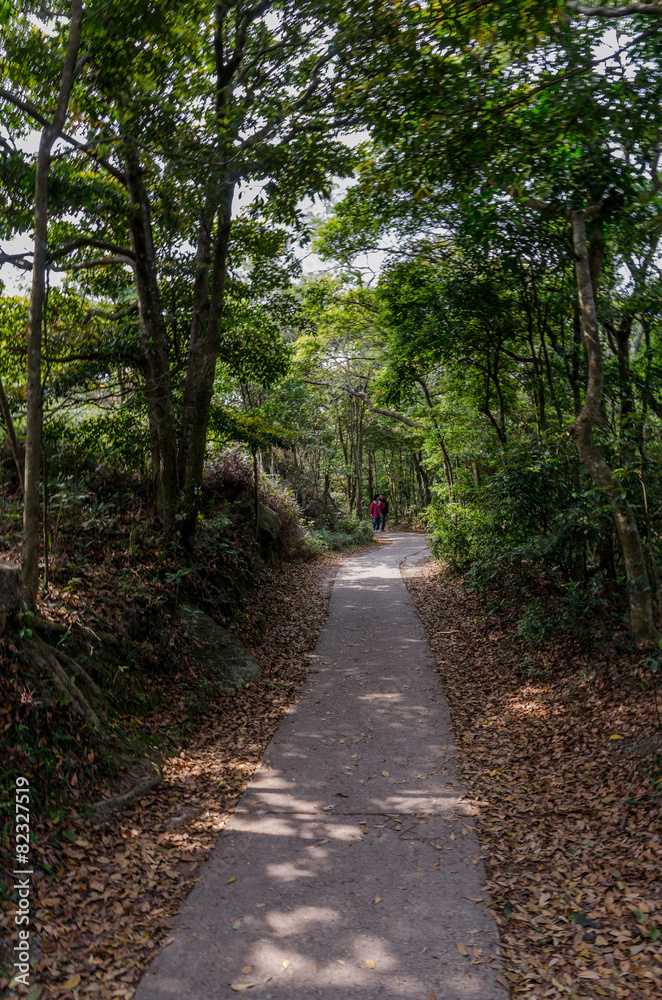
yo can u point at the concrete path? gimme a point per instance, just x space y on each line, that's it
350 865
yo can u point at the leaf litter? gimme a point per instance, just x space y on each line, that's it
103 903
568 817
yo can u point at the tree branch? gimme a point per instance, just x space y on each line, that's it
89 241
16 259
632 8
119 314
30 109
117 258
383 411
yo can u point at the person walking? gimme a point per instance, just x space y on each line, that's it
384 502
376 508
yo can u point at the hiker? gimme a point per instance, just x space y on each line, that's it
384 502
376 508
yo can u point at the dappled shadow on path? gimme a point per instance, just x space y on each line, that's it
351 866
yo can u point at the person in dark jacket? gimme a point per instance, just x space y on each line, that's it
384 502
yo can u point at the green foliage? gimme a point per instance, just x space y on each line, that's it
537 518
346 532
117 440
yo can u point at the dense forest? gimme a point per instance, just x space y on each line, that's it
270 258
483 342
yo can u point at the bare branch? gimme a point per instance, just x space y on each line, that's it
16 260
627 11
89 241
37 116
385 412
547 208
117 258
119 314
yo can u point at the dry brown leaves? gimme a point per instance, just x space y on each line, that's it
106 913
569 822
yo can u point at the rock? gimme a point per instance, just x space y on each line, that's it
268 521
268 524
13 595
230 663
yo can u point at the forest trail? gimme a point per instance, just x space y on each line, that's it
350 864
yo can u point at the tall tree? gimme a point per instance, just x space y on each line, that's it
51 132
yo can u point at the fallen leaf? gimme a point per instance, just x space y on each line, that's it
385 774
616 736
286 963
474 899
315 969
240 987
378 899
233 878
460 947
71 983
246 969
370 963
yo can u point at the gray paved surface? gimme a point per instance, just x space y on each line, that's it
352 848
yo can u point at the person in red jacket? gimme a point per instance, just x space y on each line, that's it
376 508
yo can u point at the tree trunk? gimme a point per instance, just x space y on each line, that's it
590 453
359 463
17 454
256 492
34 421
626 395
154 343
423 479
448 469
204 347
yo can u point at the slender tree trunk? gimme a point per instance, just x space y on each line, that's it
204 349
17 454
359 463
154 343
423 479
591 454
34 421
576 361
44 520
626 395
256 492
448 468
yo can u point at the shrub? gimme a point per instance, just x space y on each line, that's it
230 476
351 532
539 516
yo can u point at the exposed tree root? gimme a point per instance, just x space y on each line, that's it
101 809
76 629
45 658
81 672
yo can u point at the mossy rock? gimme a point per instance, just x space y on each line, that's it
230 664
268 522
